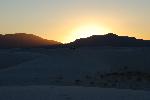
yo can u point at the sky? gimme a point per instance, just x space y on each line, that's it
66 20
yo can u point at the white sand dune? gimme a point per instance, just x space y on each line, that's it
73 64
70 93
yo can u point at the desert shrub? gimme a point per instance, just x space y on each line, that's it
88 77
92 83
101 76
77 82
105 84
138 79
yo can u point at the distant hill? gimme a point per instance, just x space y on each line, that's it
21 40
110 39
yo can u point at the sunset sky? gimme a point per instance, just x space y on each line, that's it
66 20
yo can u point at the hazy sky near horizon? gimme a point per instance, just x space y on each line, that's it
61 20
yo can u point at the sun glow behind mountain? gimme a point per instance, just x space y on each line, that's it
87 31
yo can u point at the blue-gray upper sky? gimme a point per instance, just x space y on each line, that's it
58 19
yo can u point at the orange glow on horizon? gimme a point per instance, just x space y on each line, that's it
85 31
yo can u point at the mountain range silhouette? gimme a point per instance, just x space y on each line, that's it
111 39
23 40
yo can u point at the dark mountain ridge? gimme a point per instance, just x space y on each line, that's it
23 40
111 39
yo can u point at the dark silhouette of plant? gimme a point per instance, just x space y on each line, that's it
88 77
77 82
92 83
138 79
